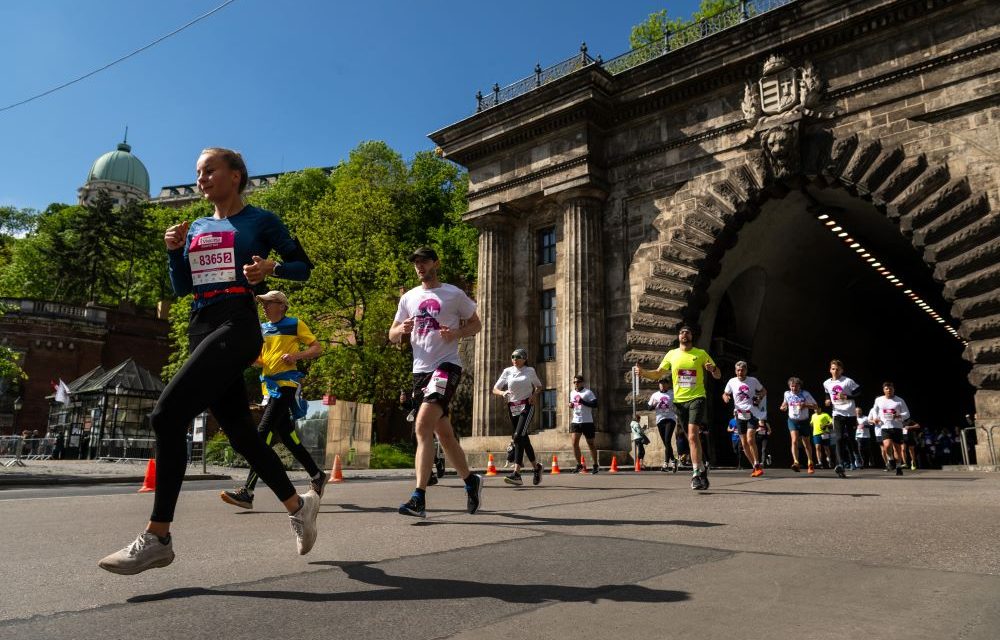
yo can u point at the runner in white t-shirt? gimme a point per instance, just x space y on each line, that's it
890 412
582 402
519 386
863 437
662 402
798 403
746 393
434 316
841 392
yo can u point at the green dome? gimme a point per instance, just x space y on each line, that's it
122 167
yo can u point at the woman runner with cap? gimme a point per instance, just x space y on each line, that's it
218 259
519 386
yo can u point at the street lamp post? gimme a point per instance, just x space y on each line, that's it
18 405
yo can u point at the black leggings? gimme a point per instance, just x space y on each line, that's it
277 421
666 429
224 339
522 445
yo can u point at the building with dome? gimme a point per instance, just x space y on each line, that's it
120 174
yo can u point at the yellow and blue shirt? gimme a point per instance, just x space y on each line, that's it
281 337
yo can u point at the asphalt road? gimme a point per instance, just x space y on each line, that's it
630 555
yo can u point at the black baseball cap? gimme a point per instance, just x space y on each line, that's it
423 253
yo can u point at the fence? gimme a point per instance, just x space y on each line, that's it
671 41
14 450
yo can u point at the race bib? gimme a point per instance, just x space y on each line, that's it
438 383
742 415
888 415
794 410
212 257
826 436
687 378
860 433
517 408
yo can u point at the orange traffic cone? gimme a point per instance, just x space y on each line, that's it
555 465
638 465
583 462
149 482
614 465
337 474
491 469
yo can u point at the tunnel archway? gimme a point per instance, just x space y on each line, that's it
821 298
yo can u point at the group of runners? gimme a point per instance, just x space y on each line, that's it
223 261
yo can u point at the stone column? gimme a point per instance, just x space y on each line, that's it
494 292
580 301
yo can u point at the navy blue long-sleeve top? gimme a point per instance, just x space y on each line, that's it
215 250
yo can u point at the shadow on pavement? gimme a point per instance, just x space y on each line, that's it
576 522
792 493
405 588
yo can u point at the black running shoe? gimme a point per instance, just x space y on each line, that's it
839 469
536 475
414 507
514 479
239 498
704 477
697 483
432 480
675 465
595 470
474 493
899 470
580 469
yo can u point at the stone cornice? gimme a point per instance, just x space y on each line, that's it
530 177
955 57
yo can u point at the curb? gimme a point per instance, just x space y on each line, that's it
29 481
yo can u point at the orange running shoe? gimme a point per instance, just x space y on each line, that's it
811 469
757 472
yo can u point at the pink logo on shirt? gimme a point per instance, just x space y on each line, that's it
426 319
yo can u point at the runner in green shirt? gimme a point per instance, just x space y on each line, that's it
687 366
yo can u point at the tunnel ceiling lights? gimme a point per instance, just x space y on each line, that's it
832 225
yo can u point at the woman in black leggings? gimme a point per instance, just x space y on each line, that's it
519 386
219 259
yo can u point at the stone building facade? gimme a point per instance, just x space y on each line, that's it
63 341
818 181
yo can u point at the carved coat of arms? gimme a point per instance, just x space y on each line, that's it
775 106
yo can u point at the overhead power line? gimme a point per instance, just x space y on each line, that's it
124 57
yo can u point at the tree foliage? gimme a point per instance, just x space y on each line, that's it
94 253
658 25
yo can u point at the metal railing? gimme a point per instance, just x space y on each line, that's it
672 41
126 450
989 442
14 450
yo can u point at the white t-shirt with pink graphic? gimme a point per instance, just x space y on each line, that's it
891 411
444 305
744 394
842 385
581 412
663 403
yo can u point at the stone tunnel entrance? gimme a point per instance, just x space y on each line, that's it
821 274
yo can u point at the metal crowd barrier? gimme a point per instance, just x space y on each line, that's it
16 449
126 450
989 441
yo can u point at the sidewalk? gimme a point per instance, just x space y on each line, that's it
46 472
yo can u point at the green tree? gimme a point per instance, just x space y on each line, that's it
658 25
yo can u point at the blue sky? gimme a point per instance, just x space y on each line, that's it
291 84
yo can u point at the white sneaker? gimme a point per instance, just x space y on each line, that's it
145 552
304 522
